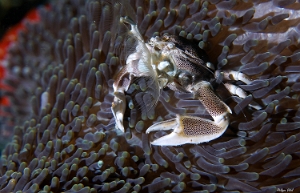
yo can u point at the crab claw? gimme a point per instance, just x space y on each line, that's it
188 129
118 109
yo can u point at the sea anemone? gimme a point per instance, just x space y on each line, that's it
63 68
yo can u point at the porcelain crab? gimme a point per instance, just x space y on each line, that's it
173 62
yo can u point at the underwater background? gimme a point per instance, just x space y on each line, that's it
12 15
61 70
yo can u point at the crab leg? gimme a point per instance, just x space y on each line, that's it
234 75
138 64
118 109
189 129
235 90
118 106
121 85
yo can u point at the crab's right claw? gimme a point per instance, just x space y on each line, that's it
188 129
118 109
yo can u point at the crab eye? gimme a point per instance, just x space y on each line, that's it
165 37
170 45
185 78
210 65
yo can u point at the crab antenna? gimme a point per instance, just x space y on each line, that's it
134 29
128 20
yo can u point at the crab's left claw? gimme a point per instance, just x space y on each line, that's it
188 129
118 109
